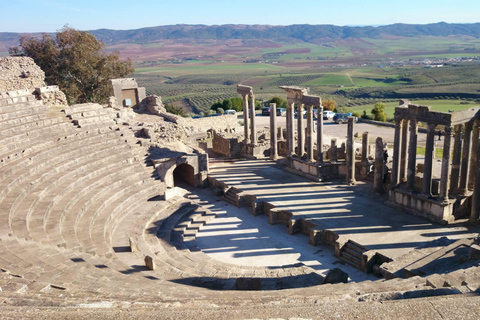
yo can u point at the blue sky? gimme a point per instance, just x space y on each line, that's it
52 15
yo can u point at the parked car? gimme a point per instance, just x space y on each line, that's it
342 118
215 115
328 115
281 112
233 112
304 112
266 111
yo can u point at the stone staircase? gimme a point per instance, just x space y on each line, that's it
352 252
231 196
79 210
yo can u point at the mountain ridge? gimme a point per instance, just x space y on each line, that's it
297 32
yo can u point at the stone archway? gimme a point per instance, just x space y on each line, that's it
184 173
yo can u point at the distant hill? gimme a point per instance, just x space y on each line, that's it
307 33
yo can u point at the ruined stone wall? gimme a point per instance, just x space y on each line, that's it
226 145
219 123
20 73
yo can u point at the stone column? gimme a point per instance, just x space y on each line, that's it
301 143
245 119
412 155
365 147
273 132
473 154
445 175
350 154
252 111
378 175
396 153
457 157
290 147
319 134
310 134
333 150
475 213
403 151
428 163
466 155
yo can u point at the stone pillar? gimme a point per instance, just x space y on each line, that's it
412 155
252 120
473 154
466 155
475 213
428 163
365 147
350 153
246 119
403 151
319 134
301 143
457 157
310 134
397 143
290 147
273 132
378 175
333 150
445 175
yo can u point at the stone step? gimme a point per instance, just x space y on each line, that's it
79 108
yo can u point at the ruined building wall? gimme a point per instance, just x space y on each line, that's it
18 73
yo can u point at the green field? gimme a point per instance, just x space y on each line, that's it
355 73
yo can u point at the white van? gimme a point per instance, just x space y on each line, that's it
328 115
230 112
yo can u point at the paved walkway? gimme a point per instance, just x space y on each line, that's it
239 238
349 210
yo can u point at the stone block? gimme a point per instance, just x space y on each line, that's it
149 263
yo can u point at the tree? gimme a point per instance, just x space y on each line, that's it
378 112
329 104
75 61
280 102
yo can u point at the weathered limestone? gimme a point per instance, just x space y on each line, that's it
273 132
445 173
310 157
149 263
457 153
253 130
466 155
333 150
320 133
350 158
412 155
378 175
404 151
475 211
300 139
20 73
248 112
127 91
290 147
456 179
397 142
429 152
473 154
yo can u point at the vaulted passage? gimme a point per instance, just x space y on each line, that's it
184 173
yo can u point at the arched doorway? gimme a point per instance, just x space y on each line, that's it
184 173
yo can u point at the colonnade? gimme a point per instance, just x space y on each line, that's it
248 99
298 98
458 168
